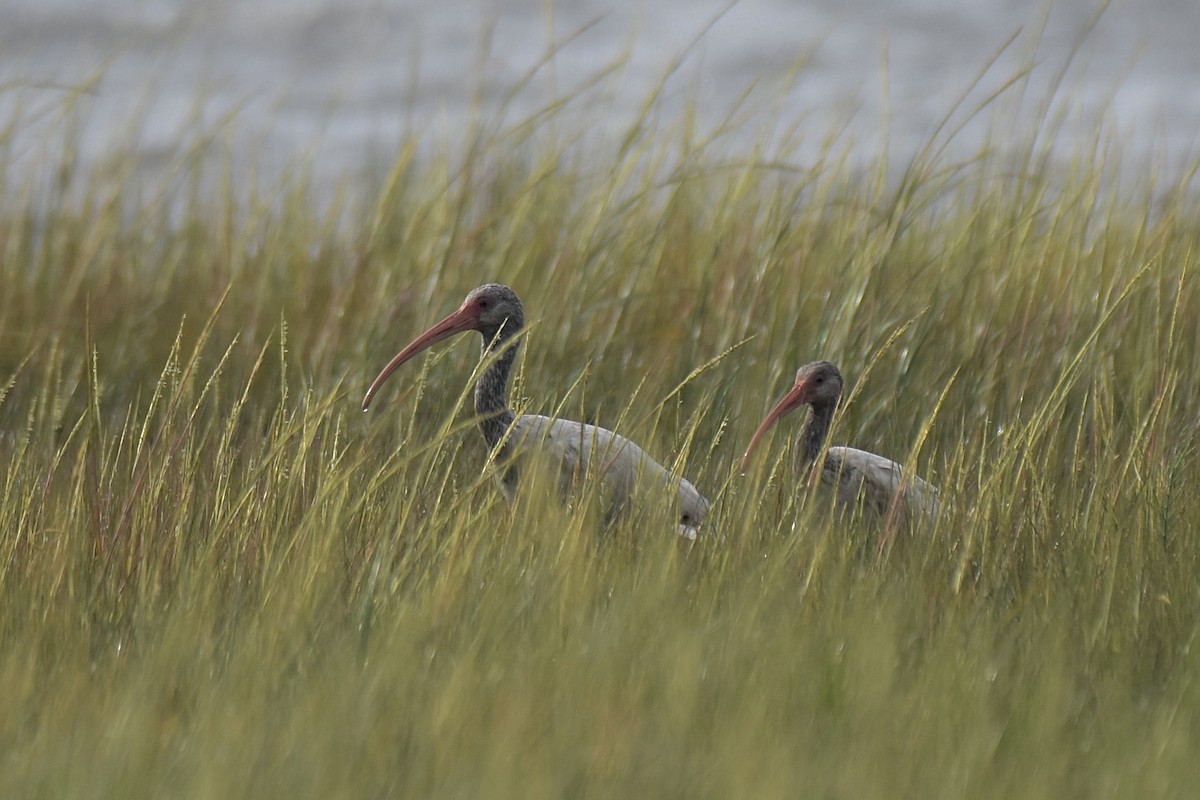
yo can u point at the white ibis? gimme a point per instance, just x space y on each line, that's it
855 475
496 312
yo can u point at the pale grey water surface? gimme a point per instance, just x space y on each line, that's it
339 82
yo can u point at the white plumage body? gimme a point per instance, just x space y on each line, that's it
579 449
860 476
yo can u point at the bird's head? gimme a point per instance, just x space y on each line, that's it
492 309
693 508
818 383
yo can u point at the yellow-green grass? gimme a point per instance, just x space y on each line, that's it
219 578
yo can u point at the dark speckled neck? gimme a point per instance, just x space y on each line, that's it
491 391
815 430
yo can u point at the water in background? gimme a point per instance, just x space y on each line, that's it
337 83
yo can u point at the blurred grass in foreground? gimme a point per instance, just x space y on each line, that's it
218 578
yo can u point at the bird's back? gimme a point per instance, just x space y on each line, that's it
860 476
581 449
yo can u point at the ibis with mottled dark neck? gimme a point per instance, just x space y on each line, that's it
855 476
496 313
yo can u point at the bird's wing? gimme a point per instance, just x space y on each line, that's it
877 480
622 465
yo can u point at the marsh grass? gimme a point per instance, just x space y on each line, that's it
219 578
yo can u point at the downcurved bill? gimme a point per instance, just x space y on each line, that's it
465 319
790 400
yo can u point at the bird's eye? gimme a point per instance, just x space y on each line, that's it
483 303
686 519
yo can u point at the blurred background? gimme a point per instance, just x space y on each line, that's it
339 83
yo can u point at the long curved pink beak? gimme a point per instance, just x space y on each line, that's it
465 319
796 397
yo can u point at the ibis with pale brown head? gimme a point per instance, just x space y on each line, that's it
497 314
856 476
